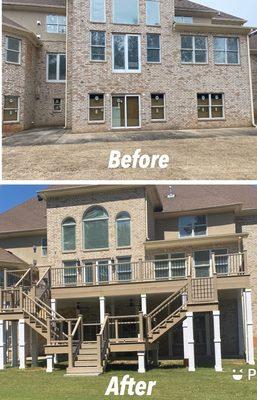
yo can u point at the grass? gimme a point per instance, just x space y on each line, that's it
172 383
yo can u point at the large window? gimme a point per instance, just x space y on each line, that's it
123 229
194 49
153 48
210 105
69 234
11 109
56 67
97 10
125 111
126 12
97 46
96 107
44 247
96 232
202 264
12 50
157 106
70 273
124 272
170 266
126 53
152 12
183 20
226 50
192 226
56 24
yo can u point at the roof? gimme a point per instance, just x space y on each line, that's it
253 41
193 197
28 216
10 22
191 6
6 257
40 3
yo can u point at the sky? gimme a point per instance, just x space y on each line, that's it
12 195
246 9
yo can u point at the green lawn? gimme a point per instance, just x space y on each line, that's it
172 383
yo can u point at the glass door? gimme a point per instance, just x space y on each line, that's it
103 271
132 111
202 264
125 111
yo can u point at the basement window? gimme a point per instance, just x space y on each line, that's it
210 106
57 105
12 50
96 107
157 107
11 109
56 24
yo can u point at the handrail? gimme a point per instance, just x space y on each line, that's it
23 277
172 297
52 312
76 326
170 316
102 339
43 276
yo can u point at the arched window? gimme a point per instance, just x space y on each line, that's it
96 232
123 229
69 234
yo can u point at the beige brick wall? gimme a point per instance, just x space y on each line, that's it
180 83
254 77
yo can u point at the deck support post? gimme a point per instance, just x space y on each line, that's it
102 309
14 330
53 308
22 344
185 340
217 340
49 363
2 343
190 342
143 304
34 350
141 362
247 294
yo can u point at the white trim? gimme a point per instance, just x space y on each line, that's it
125 109
169 259
126 70
57 67
57 25
164 108
217 340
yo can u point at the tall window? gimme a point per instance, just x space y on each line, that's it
124 271
226 50
192 226
125 12
69 234
202 264
152 12
96 107
210 105
170 266
44 247
11 109
96 232
70 273
194 49
97 46
123 229
12 50
97 11
153 48
56 24
56 67
126 53
221 261
157 106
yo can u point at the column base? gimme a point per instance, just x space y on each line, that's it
49 364
141 362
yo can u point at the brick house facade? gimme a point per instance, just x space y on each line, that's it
253 49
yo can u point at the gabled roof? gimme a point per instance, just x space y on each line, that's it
40 3
10 22
193 197
6 257
12 26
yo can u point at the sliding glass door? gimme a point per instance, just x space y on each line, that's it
125 111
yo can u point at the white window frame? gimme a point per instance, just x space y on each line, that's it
16 51
18 111
194 50
226 50
57 68
164 108
210 109
193 230
44 247
77 275
126 70
57 111
169 265
154 48
126 23
120 261
139 111
98 61
211 251
147 2
104 13
58 24
93 121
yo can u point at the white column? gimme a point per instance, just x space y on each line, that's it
249 327
49 363
53 308
102 309
208 334
190 341
184 298
185 339
6 332
22 349
34 347
217 340
143 304
241 345
141 362
14 330
2 343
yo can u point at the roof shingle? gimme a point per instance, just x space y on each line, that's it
8 257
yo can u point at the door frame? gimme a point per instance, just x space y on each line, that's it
139 111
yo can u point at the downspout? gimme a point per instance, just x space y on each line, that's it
66 82
251 81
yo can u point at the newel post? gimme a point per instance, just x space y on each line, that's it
5 278
48 325
141 326
21 297
213 264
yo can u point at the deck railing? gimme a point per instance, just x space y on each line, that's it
146 271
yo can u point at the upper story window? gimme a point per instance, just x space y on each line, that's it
183 20
153 48
44 247
194 49
126 12
192 226
153 12
210 105
56 67
123 229
96 231
12 50
97 46
226 50
97 11
126 53
11 109
69 234
56 24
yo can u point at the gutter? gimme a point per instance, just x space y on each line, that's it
251 81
